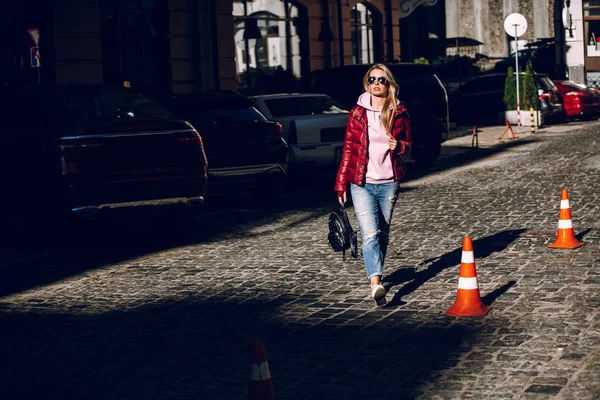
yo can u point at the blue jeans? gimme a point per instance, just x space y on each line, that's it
374 205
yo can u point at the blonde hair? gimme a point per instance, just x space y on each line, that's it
389 104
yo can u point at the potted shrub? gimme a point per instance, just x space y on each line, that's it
528 97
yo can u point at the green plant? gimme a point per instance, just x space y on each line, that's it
421 60
530 97
528 89
510 90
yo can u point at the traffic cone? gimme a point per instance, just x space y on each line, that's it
468 303
260 387
565 237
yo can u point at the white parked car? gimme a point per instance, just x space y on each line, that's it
314 126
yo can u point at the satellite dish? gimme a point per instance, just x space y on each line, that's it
515 20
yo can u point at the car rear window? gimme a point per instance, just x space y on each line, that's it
118 106
303 105
80 107
242 114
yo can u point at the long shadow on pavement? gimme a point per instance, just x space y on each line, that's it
199 348
483 247
123 234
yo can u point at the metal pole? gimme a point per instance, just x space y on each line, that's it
288 38
247 46
517 73
340 20
215 43
389 29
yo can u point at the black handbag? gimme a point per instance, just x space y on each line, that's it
341 236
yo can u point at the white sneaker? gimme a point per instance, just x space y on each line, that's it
378 292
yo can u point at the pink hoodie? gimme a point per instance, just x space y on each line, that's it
379 167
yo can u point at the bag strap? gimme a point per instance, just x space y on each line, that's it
345 216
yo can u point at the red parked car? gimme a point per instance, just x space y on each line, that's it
579 100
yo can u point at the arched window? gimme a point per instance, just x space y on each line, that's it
365 27
273 42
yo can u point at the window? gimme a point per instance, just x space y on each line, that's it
211 116
591 16
133 32
275 28
303 105
545 83
363 23
484 84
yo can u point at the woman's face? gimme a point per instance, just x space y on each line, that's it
378 83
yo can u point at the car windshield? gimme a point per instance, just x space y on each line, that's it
303 105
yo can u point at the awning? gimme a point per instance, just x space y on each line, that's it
459 42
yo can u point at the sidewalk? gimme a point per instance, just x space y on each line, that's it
462 139
488 136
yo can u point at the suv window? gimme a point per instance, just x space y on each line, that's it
546 84
483 84
303 105
414 86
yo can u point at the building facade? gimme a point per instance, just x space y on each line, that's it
483 20
189 45
580 21
183 46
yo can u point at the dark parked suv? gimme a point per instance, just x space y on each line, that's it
67 149
245 151
421 92
481 100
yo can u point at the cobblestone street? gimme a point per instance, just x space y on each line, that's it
128 312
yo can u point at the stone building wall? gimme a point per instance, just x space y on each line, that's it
483 20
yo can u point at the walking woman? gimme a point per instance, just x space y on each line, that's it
377 134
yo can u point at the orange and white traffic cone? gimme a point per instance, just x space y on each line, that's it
468 303
260 387
565 237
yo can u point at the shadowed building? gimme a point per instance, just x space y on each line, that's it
186 46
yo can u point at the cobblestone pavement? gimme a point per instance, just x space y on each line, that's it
136 312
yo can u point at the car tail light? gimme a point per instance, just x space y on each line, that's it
191 137
576 94
545 96
276 128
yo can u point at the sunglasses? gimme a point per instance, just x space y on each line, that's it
380 79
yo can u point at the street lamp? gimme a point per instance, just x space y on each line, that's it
515 25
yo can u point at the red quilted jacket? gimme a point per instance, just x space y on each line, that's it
353 166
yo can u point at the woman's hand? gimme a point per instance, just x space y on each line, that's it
393 143
342 198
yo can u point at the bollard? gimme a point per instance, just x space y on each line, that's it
531 118
511 133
